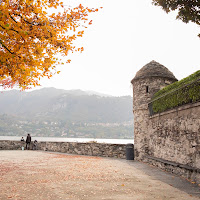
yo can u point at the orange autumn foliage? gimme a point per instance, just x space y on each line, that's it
30 38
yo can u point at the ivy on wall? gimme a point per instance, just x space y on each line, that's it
179 93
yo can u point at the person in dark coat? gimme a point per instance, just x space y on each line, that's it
28 141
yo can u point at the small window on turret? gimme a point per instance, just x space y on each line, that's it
147 89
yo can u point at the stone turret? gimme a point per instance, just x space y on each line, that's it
148 80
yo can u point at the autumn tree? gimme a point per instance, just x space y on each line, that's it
31 38
187 10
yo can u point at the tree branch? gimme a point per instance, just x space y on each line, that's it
3 45
12 18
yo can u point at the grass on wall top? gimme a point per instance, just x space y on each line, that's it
177 84
178 93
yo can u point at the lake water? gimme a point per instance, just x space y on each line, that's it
58 139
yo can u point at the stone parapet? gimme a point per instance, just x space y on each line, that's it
90 149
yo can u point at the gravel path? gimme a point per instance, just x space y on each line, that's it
49 176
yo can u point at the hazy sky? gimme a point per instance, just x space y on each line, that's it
126 35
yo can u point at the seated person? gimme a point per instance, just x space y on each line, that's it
35 145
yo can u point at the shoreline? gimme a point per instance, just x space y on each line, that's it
78 140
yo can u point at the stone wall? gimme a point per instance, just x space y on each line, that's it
91 149
169 140
174 141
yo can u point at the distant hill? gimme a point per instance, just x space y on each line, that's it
61 113
72 105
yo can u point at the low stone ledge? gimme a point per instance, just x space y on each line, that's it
185 171
174 164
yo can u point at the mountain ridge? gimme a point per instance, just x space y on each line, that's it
52 101
54 112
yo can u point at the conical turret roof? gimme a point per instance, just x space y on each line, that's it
154 69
